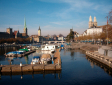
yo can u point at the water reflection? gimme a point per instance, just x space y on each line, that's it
56 74
26 59
4 50
101 65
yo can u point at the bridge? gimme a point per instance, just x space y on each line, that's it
51 42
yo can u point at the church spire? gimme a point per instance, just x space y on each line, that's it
25 23
39 27
90 18
95 19
25 28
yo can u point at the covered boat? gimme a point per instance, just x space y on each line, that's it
24 50
48 48
46 59
35 60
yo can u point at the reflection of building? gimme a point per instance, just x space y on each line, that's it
26 59
10 34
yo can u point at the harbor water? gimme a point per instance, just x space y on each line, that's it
77 69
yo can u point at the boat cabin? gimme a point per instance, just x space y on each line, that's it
48 47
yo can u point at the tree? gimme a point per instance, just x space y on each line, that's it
70 36
110 16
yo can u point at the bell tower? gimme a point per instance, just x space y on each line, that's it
90 22
95 22
39 31
25 28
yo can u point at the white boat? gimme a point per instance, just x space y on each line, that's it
35 60
48 48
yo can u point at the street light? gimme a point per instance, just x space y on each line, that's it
107 30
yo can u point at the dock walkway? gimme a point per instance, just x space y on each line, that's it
35 67
25 68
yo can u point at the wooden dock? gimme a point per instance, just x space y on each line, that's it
25 68
35 67
19 55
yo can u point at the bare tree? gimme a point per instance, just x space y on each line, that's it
110 16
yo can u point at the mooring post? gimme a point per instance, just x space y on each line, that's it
21 66
10 68
54 67
32 68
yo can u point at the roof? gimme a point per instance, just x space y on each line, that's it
15 32
104 26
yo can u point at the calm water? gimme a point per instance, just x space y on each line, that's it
77 69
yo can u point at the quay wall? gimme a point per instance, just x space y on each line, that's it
92 52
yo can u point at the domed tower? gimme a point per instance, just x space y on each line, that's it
39 31
95 22
25 28
90 22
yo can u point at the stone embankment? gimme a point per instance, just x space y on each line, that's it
92 52
83 46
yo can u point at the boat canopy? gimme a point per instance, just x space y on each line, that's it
62 45
36 57
24 49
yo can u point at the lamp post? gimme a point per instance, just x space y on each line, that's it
107 30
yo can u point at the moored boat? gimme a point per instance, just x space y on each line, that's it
48 48
35 60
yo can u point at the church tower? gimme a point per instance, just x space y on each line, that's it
95 22
25 28
90 22
39 31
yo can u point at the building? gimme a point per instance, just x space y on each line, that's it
61 38
39 31
93 31
16 34
37 38
91 23
25 28
93 28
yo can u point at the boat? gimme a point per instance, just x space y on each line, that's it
35 60
11 54
24 50
62 46
48 48
46 59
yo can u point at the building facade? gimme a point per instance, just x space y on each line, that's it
16 34
91 23
39 31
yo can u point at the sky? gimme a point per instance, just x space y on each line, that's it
53 16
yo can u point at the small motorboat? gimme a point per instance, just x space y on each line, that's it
35 60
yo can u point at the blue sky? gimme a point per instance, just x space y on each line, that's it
53 16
